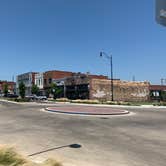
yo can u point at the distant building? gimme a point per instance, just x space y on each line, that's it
157 91
87 86
11 86
49 76
28 79
123 90
77 86
63 80
39 81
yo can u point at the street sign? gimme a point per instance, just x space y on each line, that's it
161 12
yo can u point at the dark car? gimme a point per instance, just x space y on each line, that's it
12 96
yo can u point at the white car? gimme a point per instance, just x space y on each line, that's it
35 97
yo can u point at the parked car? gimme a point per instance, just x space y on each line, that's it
35 97
41 97
12 95
1 95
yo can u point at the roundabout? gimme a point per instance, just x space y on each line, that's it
87 110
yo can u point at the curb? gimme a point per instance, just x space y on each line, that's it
86 113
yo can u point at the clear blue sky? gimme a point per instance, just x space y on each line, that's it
40 35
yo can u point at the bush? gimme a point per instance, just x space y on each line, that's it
63 100
86 101
160 104
9 157
22 100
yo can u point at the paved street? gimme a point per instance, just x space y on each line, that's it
137 139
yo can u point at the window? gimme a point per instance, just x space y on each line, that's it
50 81
45 81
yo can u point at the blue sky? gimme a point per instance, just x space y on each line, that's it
40 35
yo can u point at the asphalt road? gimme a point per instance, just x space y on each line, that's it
138 139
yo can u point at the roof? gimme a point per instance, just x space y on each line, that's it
157 87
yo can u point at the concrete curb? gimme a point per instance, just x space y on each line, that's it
122 112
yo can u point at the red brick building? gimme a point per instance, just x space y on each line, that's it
11 86
73 85
157 92
49 76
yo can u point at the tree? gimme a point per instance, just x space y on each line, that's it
35 89
5 89
22 90
163 95
55 91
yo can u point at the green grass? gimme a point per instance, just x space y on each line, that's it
9 157
130 103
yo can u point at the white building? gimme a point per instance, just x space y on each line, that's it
39 81
28 79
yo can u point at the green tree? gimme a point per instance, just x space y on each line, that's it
5 89
163 95
35 89
55 90
22 90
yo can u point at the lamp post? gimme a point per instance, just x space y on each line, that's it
111 70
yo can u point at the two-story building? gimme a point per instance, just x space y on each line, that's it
39 81
28 79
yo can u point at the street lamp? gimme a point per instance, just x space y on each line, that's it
111 70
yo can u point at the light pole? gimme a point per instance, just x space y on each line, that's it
111 70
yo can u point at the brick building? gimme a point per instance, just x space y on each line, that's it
83 86
64 79
50 76
77 86
11 86
123 90
157 92
86 86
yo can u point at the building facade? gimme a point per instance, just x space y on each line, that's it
77 86
158 92
11 87
28 79
87 86
50 76
39 81
122 90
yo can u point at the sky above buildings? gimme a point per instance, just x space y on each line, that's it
41 35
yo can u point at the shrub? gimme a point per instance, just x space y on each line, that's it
86 101
9 157
63 100
21 100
